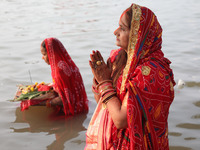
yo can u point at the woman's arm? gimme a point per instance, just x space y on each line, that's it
52 102
102 74
56 101
95 91
97 97
118 111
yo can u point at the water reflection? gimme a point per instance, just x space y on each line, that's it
196 116
175 134
190 138
40 119
179 148
197 104
192 84
189 126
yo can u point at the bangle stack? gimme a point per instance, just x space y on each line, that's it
106 91
48 103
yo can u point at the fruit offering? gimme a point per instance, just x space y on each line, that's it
27 92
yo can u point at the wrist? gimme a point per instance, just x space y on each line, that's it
106 91
94 87
48 103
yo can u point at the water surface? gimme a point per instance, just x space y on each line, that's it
83 26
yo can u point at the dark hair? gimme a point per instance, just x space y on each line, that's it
118 66
128 13
43 44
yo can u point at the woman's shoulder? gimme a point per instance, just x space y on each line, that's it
148 66
151 68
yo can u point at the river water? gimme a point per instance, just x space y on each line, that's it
83 26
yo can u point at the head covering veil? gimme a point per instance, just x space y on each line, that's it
66 78
144 39
149 81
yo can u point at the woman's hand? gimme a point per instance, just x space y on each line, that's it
49 95
99 68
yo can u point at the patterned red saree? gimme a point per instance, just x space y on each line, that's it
148 81
67 80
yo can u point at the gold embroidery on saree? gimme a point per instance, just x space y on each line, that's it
133 37
146 70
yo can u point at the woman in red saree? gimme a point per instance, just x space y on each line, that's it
67 81
134 90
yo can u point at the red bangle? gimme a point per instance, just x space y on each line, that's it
103 83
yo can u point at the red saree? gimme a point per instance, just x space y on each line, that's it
67 80
148 80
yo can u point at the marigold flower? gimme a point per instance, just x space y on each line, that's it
32 89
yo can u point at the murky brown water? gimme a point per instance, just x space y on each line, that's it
82 26
39 119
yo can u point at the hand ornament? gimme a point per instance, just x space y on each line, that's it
98 63
99 68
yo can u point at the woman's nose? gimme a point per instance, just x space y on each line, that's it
42 57
115 32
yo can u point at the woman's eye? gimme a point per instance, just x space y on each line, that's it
122 28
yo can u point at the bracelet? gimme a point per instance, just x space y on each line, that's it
106 100
106 91
48 103
107 96
105 88
94 90
103 83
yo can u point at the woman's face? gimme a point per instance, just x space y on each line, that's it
44 55
122 33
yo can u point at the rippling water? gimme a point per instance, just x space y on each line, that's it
82 26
